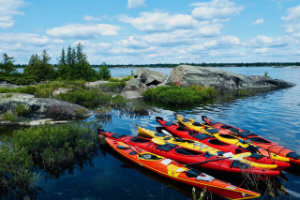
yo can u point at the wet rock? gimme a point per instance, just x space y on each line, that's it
185 75
142 80
41 108
16 95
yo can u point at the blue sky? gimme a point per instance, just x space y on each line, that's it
153 31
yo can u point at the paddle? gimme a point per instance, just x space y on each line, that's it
207 161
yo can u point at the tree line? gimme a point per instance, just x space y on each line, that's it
73 65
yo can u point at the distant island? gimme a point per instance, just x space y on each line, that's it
171 65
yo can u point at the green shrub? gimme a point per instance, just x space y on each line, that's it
21 110
112 79
127 78
173 95
91 98
123 79
53 147
9 116
16 174
104 73
44 90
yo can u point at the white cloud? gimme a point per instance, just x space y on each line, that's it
135 3
27 39
292 20
258 21
8 9
91 18
266 41
159 21
83 31
215 9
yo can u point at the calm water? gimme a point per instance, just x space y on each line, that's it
275 115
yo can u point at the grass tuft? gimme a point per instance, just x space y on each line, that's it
179 96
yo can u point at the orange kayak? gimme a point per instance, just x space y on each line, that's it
255 139
173 170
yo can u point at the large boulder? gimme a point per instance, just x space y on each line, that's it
43 107
185 75
142 80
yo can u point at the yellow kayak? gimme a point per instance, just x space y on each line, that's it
161 139
230 139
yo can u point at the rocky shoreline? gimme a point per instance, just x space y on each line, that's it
50 110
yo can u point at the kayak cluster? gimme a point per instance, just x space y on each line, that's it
179 147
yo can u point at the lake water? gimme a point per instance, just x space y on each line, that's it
274 115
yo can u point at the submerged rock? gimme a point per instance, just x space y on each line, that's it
142 80
185 75
41 108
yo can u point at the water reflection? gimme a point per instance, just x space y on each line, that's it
274 115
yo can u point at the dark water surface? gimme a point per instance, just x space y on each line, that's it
275 116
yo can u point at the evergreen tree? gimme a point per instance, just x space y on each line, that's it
39 68
7 66
104 72
76 67
62 60
69 55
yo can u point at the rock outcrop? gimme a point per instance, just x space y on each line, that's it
185 75
8 85
40 108
142 80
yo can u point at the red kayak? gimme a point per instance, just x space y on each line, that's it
190 157
211 141
255 139
178 172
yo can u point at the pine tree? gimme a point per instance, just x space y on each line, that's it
39 67
7 66
62 60
69 55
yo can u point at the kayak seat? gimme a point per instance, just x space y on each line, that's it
259 140
132 153
227 136
167 147
238 164
245 134
212 130
122 147
252 149
197 124
234 130
201 136
293 155
169 124
180 128
186 120
238 151
220 153
139 139
187 152
191 173
148 156
216 142
256 156
226 127
160 134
